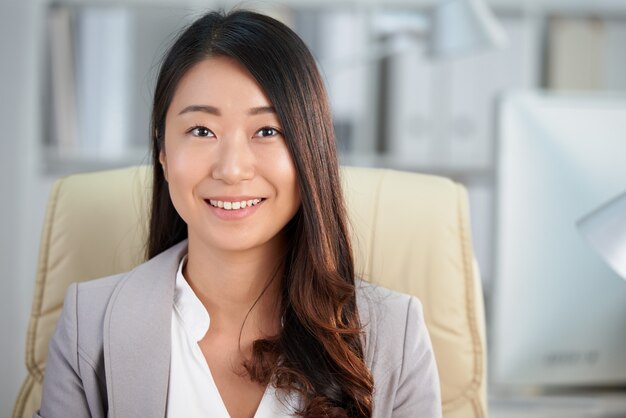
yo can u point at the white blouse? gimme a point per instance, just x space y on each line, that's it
192 391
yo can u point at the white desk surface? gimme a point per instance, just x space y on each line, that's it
551 406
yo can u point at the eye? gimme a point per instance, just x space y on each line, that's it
201 131
267 131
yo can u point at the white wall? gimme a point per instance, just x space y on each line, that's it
22 192
9 109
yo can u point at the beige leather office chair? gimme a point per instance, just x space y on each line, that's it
411 233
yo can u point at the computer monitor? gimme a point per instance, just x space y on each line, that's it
559 312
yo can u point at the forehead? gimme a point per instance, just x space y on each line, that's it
218 81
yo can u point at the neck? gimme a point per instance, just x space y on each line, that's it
231 283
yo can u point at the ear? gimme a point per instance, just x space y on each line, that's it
163 161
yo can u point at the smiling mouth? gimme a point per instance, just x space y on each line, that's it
234 205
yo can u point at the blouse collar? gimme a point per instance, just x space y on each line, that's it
193 314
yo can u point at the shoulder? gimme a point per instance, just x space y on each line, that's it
84 309
386 316
98 291
87 304
399 353
75 361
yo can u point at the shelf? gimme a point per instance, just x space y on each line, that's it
397 162
55 164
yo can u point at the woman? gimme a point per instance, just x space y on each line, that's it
248 305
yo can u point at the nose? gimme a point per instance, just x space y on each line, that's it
234 160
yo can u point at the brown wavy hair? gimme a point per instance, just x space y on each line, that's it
319 351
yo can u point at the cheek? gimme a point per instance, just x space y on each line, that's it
185 164
289 180
184 172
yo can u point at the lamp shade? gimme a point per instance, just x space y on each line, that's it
605 230
464 25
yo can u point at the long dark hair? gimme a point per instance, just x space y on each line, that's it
319 351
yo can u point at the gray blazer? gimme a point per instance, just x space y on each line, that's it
110 353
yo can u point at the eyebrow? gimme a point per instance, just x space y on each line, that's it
215 111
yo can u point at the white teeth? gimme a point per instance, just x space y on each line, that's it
234 205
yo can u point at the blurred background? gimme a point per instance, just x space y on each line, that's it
522 101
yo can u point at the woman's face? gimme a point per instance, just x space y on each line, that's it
230 174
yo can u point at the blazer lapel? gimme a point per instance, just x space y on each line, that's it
137 337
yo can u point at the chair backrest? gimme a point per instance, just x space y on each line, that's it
410 233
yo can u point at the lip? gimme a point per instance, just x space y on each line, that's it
233 198
231 215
